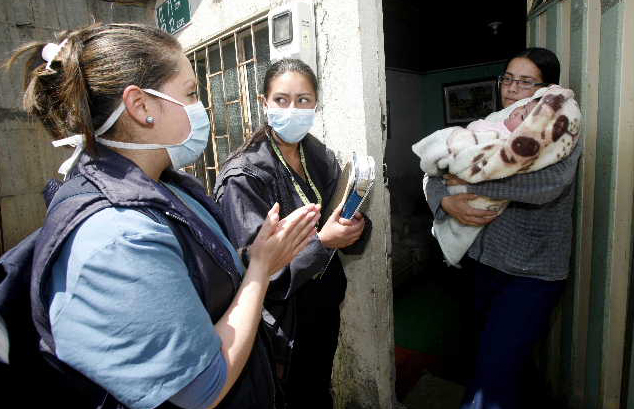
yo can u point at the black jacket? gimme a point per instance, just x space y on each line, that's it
247 187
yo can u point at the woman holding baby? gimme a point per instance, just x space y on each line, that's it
520 259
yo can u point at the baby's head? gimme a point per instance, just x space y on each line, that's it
518 115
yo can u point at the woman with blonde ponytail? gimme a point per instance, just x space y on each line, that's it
135 286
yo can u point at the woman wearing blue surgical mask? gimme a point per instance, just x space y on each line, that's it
283 163
144 302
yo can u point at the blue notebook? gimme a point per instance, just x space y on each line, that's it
353 187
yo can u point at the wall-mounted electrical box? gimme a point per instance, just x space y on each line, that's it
292 32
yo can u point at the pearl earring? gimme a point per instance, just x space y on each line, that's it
149 119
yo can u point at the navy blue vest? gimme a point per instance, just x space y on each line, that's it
108 180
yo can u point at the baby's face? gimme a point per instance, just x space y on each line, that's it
518 115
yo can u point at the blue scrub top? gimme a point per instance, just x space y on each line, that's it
125 313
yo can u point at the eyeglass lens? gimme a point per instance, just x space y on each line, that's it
508 80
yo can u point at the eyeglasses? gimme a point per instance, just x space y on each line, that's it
522 84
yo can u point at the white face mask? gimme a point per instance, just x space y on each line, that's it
181 154
291 124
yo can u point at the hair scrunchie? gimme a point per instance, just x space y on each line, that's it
50 51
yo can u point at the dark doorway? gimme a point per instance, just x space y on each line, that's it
430 35
428 44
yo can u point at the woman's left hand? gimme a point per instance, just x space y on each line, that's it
339 232
279 241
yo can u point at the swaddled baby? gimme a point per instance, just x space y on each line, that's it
504 128
525 137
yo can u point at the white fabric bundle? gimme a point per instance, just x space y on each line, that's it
547 135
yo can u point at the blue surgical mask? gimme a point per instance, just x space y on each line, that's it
181 154
291 124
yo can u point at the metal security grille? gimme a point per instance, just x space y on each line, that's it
230 70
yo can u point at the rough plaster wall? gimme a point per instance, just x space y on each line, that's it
27 159
351 70
351 62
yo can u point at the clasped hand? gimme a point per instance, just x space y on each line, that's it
339 232
278 241
458 206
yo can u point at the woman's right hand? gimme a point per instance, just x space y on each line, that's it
278 241
458 207
339 232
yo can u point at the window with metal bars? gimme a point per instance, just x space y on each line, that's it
230 71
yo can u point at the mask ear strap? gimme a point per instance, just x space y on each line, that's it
164 96
114 116
79 141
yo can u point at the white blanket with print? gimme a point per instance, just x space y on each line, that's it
547 135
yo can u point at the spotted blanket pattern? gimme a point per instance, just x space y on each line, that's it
547 135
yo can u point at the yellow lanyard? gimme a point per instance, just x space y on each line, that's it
298 188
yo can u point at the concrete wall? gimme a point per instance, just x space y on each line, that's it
590 354
352 56
27 158
350 67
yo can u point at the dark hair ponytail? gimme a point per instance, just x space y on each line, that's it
86 79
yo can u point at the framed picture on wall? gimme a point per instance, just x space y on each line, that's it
467 101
